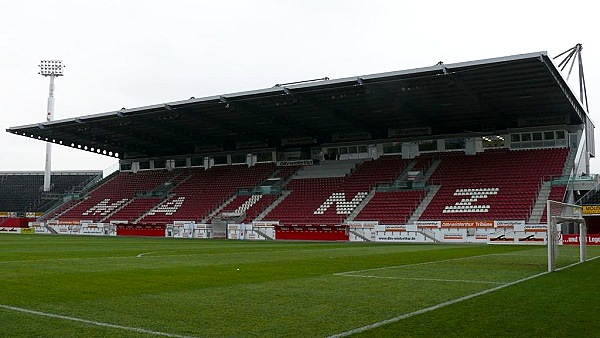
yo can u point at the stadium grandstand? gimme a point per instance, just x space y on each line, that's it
450 151
22 198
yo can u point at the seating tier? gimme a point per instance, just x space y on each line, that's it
330 200
205 190
251 205
115 193
394 207
493 185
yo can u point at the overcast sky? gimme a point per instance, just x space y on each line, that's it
137 53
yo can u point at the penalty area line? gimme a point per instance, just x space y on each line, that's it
425 279
408 265
450 302
91 322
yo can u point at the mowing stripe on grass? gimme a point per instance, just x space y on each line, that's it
65 259
426 279
91 322
450 302
407 265
121 257
93 258
540 255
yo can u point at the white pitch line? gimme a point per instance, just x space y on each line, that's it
145 253
427 263
408 265
91 322
426 279
450 302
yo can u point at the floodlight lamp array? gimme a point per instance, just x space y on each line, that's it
51 68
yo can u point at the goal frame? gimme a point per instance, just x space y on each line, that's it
568 213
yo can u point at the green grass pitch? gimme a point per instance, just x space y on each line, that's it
70 286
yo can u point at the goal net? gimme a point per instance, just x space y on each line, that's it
563 218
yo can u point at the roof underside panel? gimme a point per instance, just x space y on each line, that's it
479 96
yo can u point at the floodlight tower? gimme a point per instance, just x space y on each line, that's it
51 68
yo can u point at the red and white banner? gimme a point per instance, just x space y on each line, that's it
395 228
428 224
518 225
413 237
454 237
536 228
509 224
592 239
467 224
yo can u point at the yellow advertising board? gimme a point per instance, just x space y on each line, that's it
591 209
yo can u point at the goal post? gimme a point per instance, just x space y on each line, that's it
559 214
